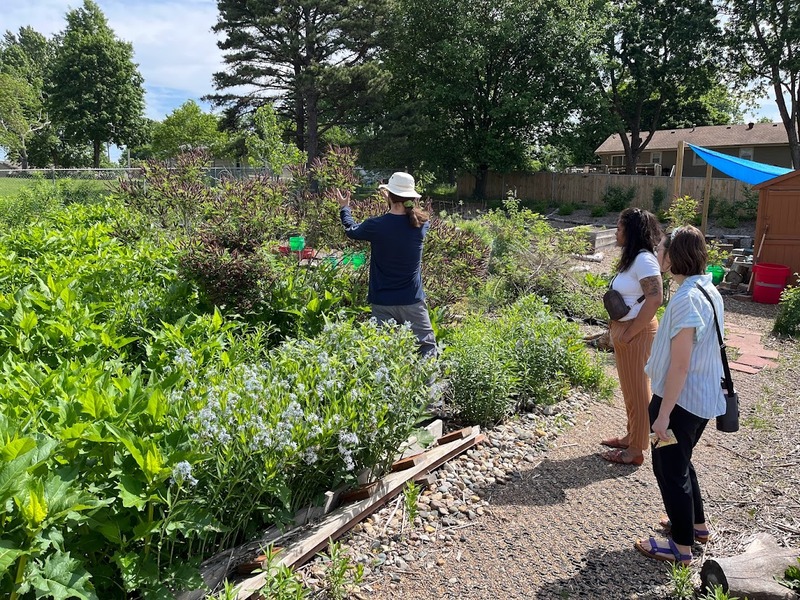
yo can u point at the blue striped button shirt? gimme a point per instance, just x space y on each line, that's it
688 307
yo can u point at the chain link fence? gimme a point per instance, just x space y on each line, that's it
213 173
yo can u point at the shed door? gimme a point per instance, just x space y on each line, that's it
782 242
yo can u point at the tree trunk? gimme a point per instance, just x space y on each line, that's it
481 179
313 126
300 123
23 159
96 147
753 573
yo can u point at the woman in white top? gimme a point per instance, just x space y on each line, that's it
685 369
638 279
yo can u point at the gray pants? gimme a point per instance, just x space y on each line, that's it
417 315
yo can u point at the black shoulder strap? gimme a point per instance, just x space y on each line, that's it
611 286
723 353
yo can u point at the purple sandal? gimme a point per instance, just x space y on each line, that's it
669 553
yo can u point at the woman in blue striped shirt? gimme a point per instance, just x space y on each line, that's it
685 369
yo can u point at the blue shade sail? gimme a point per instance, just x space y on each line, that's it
744 170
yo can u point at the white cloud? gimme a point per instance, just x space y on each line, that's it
172 41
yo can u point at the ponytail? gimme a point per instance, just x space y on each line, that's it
416 216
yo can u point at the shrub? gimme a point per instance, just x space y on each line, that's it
599 211
454 261
788 320
618 198
749 204
566 209
484 383
659 194
727 214
173 196
683 211
524 356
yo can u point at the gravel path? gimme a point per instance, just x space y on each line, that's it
535 513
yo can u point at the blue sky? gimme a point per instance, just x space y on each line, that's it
172 40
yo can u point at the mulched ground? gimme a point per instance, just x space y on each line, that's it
565 528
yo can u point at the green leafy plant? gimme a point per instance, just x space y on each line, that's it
525 355
657 197
716 255
681 580
788 320
566 209
340 574
791 577
282 582
683 211
716 593
618 198
599 211
411 493
727 214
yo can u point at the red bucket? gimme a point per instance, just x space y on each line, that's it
770 281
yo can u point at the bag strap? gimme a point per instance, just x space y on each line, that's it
723 353
611 287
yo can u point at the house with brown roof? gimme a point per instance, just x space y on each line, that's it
761 142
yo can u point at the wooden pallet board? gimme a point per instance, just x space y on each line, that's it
342 520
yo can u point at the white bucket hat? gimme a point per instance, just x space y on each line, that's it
401 184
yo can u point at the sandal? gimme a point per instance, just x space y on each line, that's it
701 536
669 553
614 443
621 457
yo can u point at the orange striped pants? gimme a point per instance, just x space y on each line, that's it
633 382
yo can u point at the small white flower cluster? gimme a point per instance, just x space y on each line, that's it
347 438
183 358
182 473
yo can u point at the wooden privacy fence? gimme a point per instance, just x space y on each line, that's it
588 189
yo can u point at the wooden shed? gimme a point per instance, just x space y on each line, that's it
778 222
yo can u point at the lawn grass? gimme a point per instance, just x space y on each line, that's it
10 186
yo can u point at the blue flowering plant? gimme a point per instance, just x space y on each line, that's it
277 434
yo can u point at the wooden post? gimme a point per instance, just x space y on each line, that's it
676 189
706 198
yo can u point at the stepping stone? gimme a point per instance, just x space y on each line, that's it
764 353
735 366
755 361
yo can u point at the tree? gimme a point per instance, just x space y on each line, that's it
654 51
763 41
265 145
185 128
477 83
21 116
95 91
313 57
24 61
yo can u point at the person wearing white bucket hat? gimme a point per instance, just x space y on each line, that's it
395 267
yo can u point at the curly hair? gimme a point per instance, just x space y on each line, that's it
642 232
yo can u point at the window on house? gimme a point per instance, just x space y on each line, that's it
746 153
617 160
696 160
655 157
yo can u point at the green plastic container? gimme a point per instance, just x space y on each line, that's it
355 258
359 258
717 273
296 244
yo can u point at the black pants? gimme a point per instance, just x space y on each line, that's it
675 473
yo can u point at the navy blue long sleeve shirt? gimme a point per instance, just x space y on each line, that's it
395 268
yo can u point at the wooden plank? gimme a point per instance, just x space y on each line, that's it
459 434
408 462
343 519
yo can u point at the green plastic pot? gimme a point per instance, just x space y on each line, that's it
296 244
717 273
